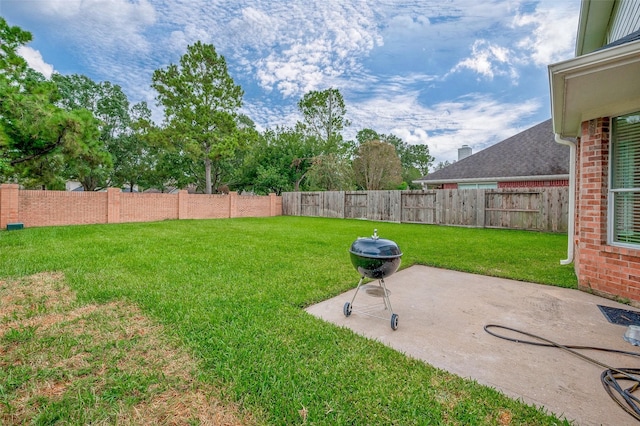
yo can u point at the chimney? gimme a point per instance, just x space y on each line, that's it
463 152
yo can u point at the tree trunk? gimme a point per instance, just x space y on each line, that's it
207 174
296 185
89 184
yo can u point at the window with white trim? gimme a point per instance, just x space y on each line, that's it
493 185
624 188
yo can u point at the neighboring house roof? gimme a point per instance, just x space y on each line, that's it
530 155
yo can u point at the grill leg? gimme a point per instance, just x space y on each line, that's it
357 288
387 302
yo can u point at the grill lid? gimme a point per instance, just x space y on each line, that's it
375 247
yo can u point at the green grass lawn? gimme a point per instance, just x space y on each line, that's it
233 292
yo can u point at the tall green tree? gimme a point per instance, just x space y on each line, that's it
278 161
324 118
377 166
200 101
108 103
368 135
168 169
131 149
331 172
231 169
415 159
419 157
105 100
36 136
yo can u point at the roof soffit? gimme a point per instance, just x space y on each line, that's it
601 84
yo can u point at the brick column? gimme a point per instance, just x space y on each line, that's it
9 204
591 205
233 204
183 196
113 205
272 204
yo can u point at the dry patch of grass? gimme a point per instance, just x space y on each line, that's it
98 364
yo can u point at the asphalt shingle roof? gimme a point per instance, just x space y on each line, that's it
533 152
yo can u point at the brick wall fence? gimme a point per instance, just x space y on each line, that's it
53 208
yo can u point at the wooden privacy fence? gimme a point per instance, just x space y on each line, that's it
541 209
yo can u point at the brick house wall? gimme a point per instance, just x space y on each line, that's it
56 208
606 270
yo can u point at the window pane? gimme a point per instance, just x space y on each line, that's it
627 217
625 179
477 186
626 152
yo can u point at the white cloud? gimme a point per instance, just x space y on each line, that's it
115 25
489 60
405 26
476 120
299 69
305 48
256 28
179 40
266 115
411 136
35 60
549 41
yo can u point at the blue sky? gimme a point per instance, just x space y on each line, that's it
442 73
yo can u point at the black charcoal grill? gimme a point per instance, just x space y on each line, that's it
375 258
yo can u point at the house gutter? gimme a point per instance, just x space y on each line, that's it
572 196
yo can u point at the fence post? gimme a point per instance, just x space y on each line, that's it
480 207
439 206
395 206
113 205
9 204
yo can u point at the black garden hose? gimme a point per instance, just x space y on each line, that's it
611 378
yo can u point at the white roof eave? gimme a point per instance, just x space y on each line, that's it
592 25
600 84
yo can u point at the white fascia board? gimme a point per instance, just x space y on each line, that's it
592 25
599 84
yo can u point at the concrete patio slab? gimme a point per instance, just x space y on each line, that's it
442 315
